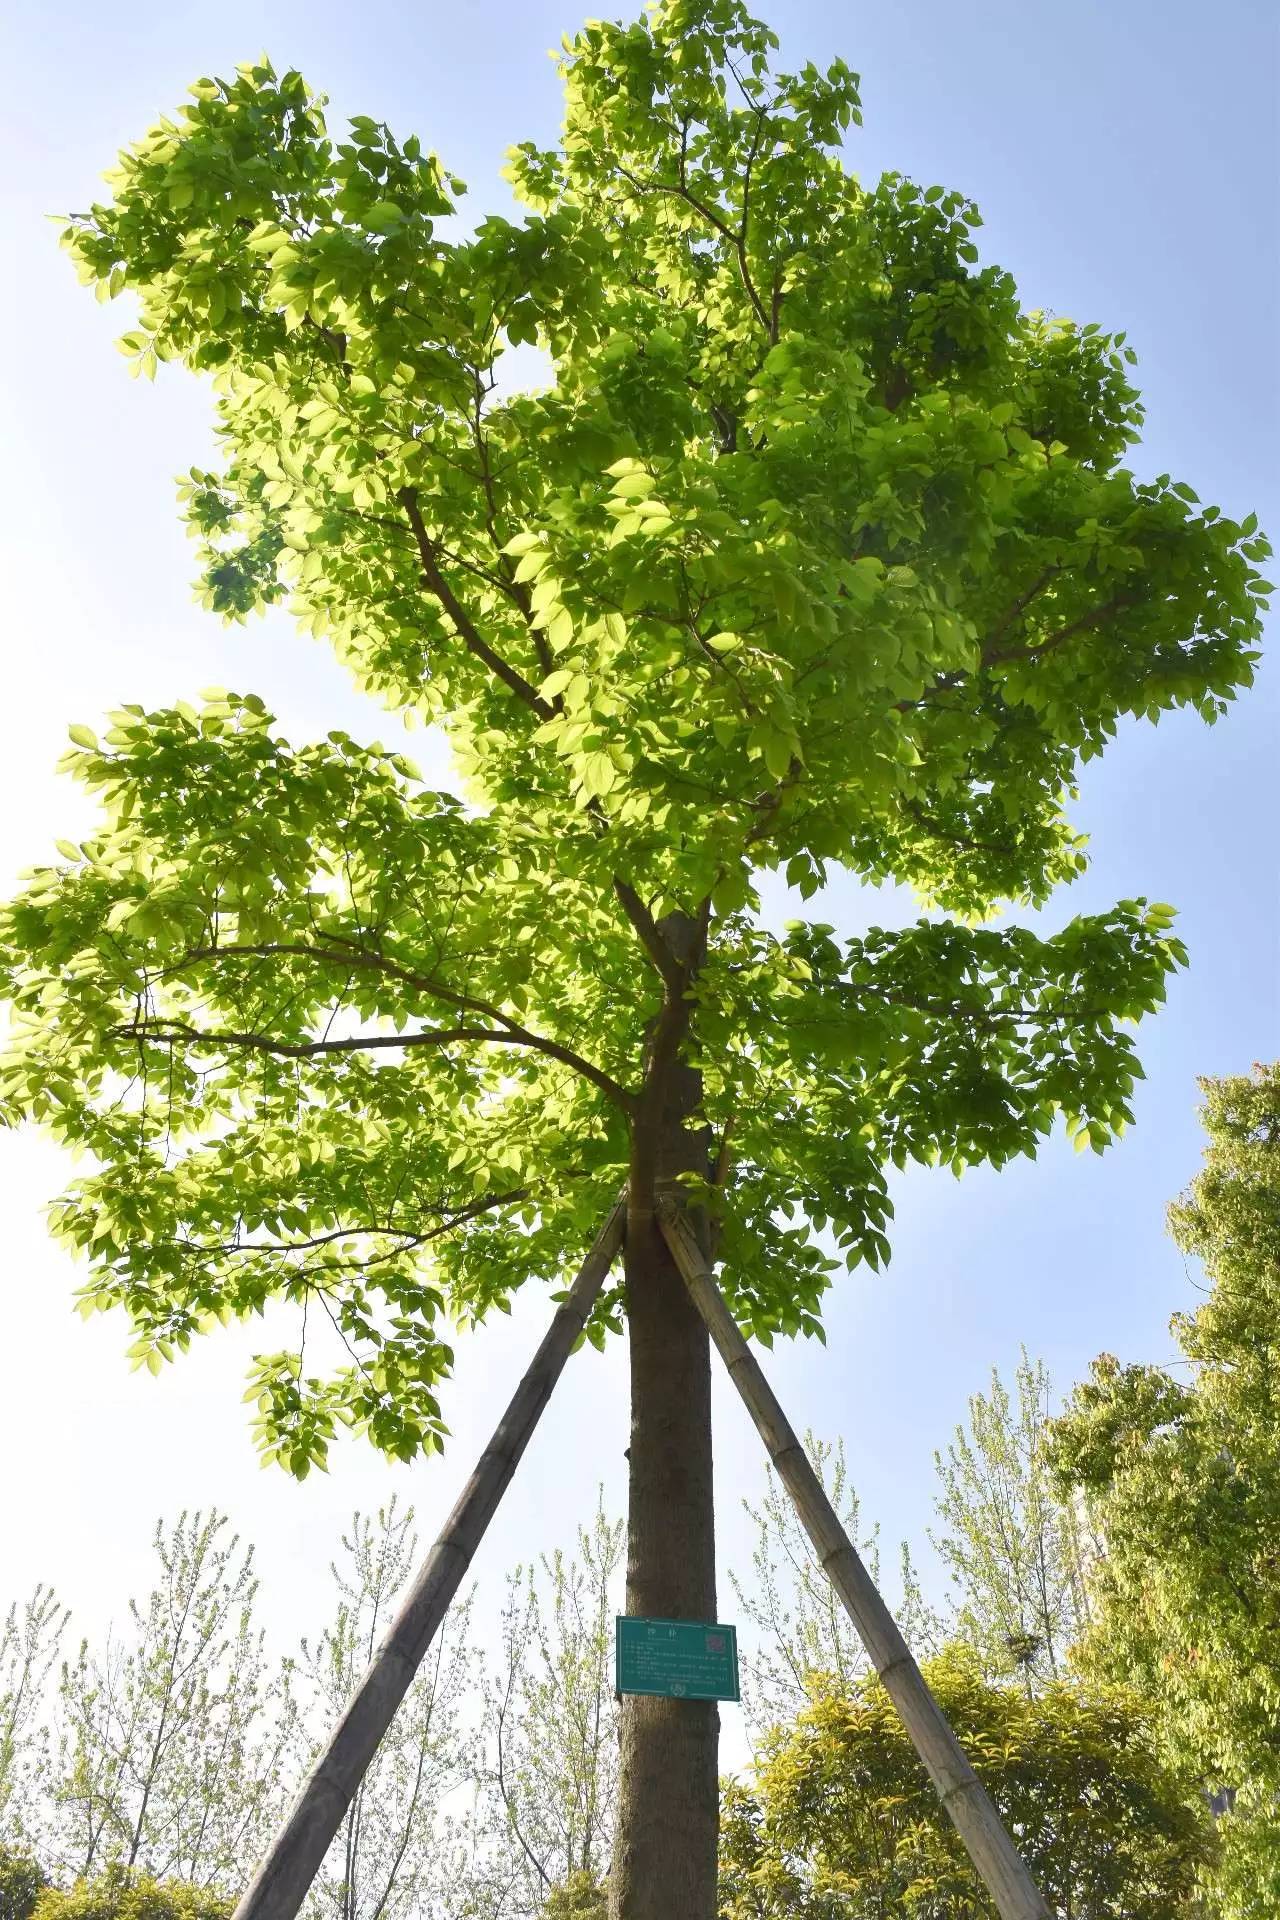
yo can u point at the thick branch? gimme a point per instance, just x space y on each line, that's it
346 956
952 837
512 1036
649 934
670 1029
769 321
514 589
351 955
1095 617
161 1029
467 630
409 1238
1019 606
996 656
945 1011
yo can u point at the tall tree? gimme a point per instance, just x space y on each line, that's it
1183 1477
400 1851
174 1733
816 553
1018 1551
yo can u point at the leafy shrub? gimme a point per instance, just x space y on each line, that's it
580 1898
21 1881
122 1894
842 1817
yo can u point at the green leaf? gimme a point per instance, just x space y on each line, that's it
384 216
599 775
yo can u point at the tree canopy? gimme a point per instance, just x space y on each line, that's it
841 1818
1183 1478
814 552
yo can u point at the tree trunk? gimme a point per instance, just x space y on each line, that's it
664 1861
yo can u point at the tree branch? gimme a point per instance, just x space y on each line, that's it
650 937
996 656
1020 606
513 588
680 191
953 838
507 1036
409 1238
1095 617
467 630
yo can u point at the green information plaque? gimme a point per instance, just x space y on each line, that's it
679 1659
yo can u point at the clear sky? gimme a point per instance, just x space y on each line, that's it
1124 156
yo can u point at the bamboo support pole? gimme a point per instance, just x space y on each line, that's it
994 1856
291 1863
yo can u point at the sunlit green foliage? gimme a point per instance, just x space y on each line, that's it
814 553
120 1894
1183 1478
842 1819
580 1898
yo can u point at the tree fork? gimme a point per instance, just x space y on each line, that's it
286 1872
994 1856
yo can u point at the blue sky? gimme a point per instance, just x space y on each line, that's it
1124 160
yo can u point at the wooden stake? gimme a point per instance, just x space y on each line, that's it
291 1863
993 1854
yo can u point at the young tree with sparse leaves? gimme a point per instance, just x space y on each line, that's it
550 1725
1018 1550
803 1638
173 1734
30 1643
816 553
401 1851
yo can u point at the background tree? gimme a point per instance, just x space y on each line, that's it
802 1636
30 1643
815 554
400 1851
841 1820
174 1734
1183 1479
550 1723
1018 1551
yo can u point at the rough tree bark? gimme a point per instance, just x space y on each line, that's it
664 1864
